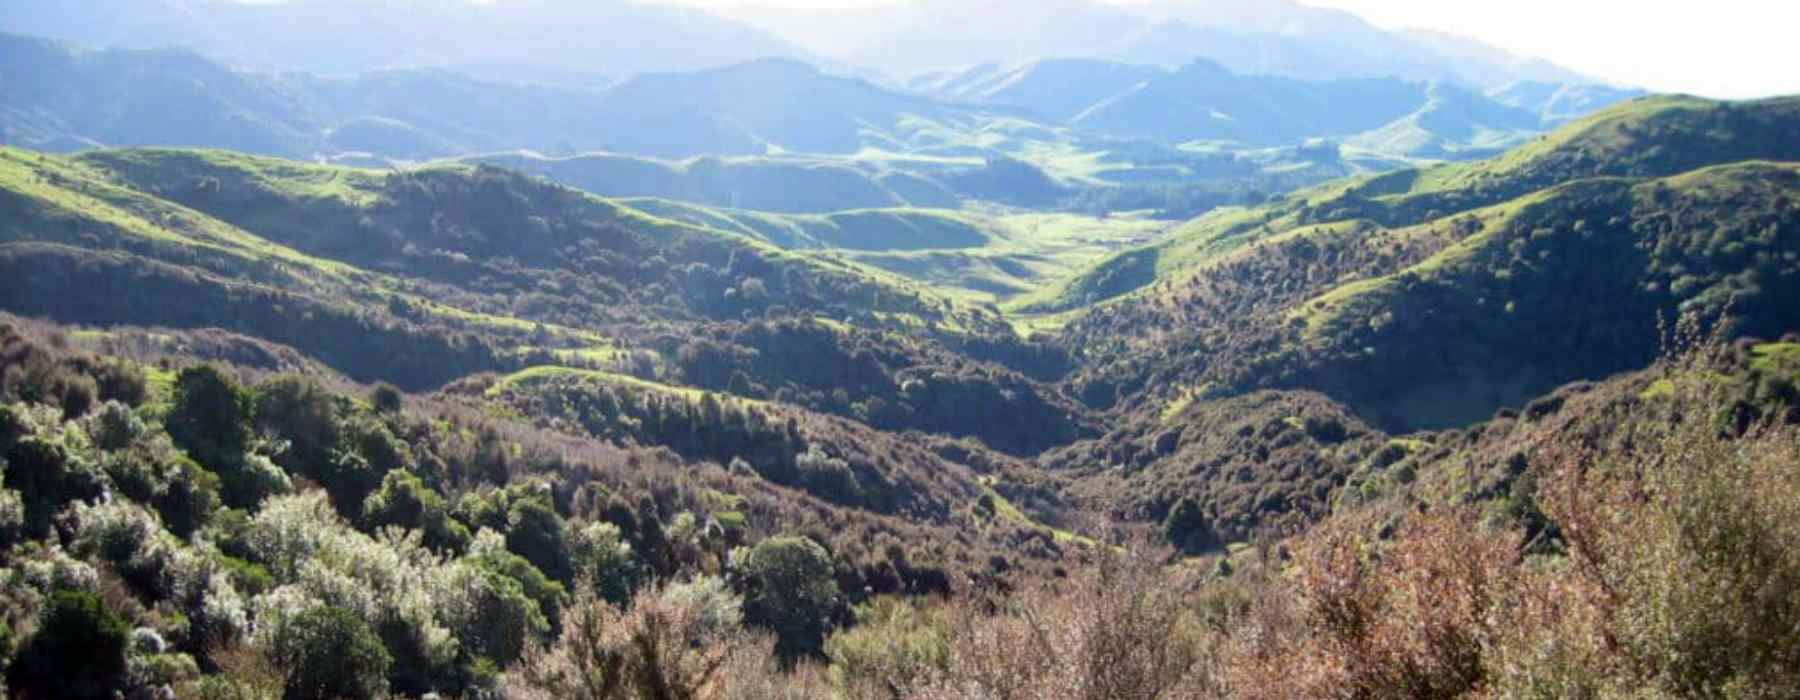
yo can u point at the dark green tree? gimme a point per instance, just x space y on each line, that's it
387 399
78 651
329 653
534 531
47 478
211 416
1189 529
788 587
304 414
212 421
191 499
404 500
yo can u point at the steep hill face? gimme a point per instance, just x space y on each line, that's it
1514 309
60 98
69 98
776 135
1432 298
1558 103
1058 90
1211 103
434 244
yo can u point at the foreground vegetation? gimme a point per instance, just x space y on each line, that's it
187 531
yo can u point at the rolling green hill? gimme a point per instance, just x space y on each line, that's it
453 253
1432 298
1649 137
769 184
425 276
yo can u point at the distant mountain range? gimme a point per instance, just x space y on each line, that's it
59 97
64 98
1204 101
584 43
1270 37
527 40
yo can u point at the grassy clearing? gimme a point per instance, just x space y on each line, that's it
536 375
1006 509
1776 358
74 190
352 187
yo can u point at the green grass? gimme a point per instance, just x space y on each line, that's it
1776 358
350 186
1610 135
526 378
83 189
1004 508
860 229
967 256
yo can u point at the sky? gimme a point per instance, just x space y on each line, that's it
1715 48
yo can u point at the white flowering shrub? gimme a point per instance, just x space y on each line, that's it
12 516
115 426
391 581
489 612
288 531
604 559
716 610
50 569
118 532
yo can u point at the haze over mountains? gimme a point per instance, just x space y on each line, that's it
557 40
939 351
1089 95
572 41
938 141
1274 37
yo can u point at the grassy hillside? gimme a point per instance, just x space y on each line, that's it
977 255
450 249
796 185
421 277
1383 293
1649 137
867 229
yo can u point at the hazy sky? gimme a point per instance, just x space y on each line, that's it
1717 48
1720 48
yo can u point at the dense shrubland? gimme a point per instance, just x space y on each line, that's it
230 535
254 531
889 382
1437 320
